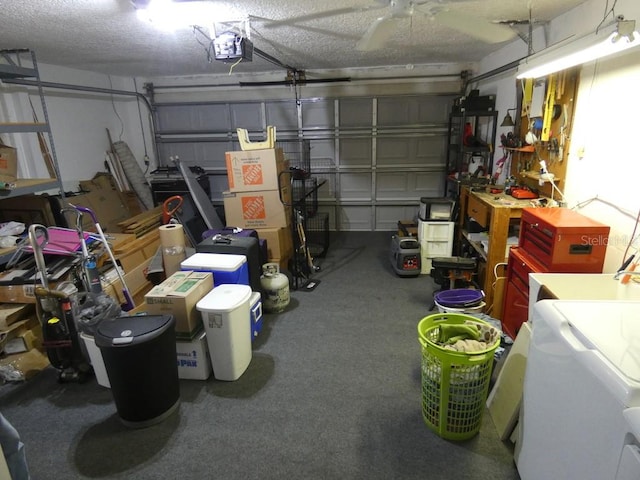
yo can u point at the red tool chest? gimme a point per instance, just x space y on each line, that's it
556 240
516 298
562 240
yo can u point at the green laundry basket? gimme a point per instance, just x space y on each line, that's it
454 384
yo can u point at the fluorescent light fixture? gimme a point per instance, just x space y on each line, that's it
615 38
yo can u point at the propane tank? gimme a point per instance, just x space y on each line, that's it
276 288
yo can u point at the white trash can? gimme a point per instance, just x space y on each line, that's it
227 321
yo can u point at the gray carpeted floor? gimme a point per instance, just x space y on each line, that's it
333 391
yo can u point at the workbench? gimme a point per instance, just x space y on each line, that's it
500 215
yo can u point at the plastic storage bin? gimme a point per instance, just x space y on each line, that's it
140 358
227 321
454 384
227 268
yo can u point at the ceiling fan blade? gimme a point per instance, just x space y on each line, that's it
318 15
475 27
377 34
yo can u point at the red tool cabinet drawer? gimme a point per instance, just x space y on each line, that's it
516 298
562 240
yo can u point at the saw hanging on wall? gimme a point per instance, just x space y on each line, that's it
393 11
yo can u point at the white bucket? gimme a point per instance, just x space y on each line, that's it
475 309
95 356
227 321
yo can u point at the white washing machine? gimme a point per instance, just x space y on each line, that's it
580 415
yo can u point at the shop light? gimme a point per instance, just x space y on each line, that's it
617 37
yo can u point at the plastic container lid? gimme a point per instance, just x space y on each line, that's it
224 298
226 262
126 331
459 297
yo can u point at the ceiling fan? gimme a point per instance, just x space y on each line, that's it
379 32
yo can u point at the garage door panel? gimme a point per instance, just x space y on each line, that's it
208 117
355 218
318 114
395 185
355 152
355 186
434 109
396 151
356 112
323 154
387 217
283 115
407 185
428 185
412 110
247 116
431 151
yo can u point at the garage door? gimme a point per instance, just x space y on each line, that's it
373 156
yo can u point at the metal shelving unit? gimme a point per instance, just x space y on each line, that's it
12 66
462 155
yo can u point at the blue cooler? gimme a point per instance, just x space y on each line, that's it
255 309
227 268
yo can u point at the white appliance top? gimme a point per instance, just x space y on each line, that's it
611 327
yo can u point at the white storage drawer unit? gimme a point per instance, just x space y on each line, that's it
436 240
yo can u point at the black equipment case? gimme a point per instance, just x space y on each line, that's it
247 246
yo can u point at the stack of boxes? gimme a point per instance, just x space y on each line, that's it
435 230
259 198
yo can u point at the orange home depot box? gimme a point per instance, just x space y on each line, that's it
258 209
256 170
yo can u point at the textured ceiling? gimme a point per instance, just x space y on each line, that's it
107 36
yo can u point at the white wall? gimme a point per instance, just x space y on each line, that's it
78 122
604 125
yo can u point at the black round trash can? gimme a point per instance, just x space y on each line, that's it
139 355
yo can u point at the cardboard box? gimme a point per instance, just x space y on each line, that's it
8 163
12 312
279 241
178 296
26 365
18 293
137 251
194 362
260 209
135 279
407 228
256 170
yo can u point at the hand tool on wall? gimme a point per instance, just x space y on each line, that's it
128 305
548 108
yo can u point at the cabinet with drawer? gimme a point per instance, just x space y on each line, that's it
564 240
478 211
498 214
516 298
552 240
